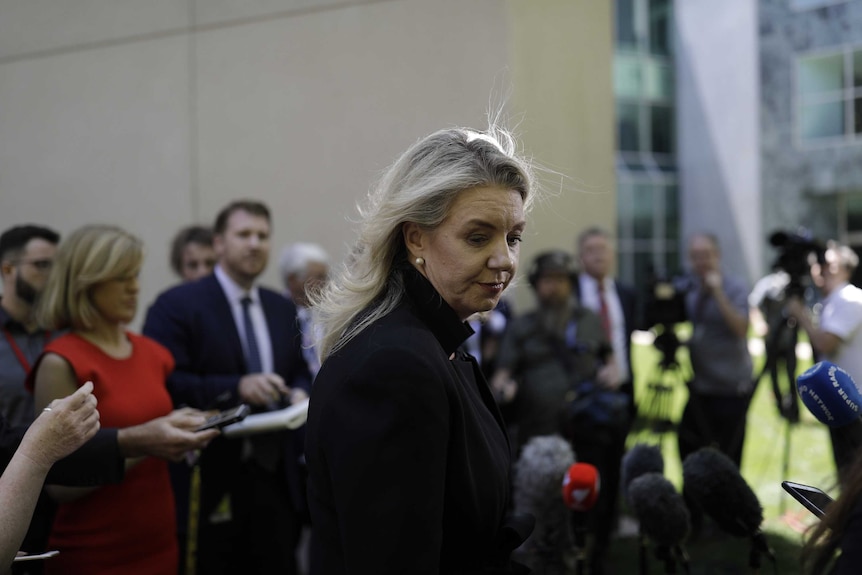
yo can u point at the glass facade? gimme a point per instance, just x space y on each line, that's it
647 194
829 96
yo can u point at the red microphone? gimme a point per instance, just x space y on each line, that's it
581 487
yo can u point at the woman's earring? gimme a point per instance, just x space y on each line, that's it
420 261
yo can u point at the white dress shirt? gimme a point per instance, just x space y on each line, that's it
590 299
235 295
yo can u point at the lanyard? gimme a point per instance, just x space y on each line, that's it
22 359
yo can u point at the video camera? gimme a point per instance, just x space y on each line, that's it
665 300
795 251
665 307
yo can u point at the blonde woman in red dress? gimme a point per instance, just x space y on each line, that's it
127 528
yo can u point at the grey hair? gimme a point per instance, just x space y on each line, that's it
419 187
847 257
591 232
296 257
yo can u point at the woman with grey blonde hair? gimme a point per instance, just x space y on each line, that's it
93 292
407 454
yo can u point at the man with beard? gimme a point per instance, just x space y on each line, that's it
26 255
237 342
547 358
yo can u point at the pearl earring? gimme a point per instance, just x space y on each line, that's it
420 261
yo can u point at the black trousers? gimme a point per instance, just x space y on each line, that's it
262 536
713 421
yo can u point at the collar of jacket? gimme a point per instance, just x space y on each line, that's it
450 331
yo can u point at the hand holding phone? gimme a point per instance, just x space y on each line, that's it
225 417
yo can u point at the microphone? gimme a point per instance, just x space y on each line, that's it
640 459
659 509
830 394
712 481
581 486
543 462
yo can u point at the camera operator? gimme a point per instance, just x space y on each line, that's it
838 337
721 387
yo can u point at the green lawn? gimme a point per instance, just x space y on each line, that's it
766 462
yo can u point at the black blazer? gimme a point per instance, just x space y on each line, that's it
407 454
194 321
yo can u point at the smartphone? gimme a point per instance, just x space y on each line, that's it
225 417
36 556
813 499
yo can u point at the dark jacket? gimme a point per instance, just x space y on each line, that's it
407 454
631 316
97 462
194 321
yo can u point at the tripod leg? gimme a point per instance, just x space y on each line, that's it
785 466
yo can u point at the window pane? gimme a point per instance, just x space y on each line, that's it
644 269
671 213
624 212
661 129
857 69
857 116
628 127
627 76
642 212
821 120
808 4
854 213
658 82
674 267
659 39
625 23
820 74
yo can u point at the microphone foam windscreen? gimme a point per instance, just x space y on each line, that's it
830 394
712 481
543 462
640 459
659 508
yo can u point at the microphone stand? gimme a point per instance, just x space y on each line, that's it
759 547
580 545
643 559
681 554
665 554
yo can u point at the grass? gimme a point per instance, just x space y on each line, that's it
766 462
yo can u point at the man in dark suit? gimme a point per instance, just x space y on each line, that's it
616 305
235 342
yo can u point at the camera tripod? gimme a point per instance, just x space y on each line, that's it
780 347
667 376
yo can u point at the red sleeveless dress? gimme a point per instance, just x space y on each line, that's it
129 528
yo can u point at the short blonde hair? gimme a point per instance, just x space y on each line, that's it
89 256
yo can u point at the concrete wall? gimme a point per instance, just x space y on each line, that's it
718 125
563 54
153 115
